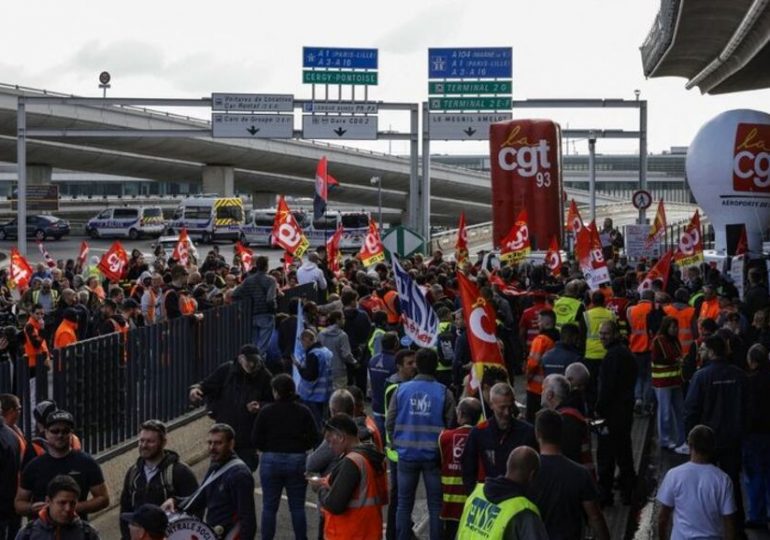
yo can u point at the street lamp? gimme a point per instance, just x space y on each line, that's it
377 181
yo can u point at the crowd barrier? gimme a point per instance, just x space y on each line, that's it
112 383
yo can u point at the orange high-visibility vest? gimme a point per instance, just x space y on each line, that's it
683 317
152 305
391 297
639 339
375 431
362 520
65 335
709 309
30 350
535 374
187 304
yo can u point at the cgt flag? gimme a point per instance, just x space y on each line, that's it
333 254
372 251
286 231
114 262
553 258
323 181
515 246
246 256
661 270
588 252
182 249
689 252
83 255
49 262
461 245
480 324
20 270
417 315
574 221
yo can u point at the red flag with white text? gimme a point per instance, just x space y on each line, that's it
83 255
114 263
689 252
661 270
333 254
516 245
182 249
372 251
49 262
286 231
20 270
574 221
553 258
246 256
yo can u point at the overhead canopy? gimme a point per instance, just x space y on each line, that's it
719 46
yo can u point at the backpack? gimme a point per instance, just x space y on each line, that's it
166 480
445 346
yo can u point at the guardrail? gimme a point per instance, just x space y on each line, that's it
111 384
481 233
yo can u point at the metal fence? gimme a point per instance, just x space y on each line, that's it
112 383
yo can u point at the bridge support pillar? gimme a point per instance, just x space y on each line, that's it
219 179
263 199
38 175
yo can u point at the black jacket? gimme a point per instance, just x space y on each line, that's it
759 401
617 378
228 390
718 398
357 327
9 470
137 491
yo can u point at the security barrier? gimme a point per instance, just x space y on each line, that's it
111 384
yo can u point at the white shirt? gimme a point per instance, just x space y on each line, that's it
701 494
309 273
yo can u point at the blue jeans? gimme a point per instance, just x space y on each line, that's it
408 478
756 466
670 416
278 471
262 327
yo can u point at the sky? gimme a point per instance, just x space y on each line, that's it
173 48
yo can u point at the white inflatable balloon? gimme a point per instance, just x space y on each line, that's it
728 169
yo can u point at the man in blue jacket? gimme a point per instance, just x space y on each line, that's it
718 398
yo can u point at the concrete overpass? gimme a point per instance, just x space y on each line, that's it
260 165
720 46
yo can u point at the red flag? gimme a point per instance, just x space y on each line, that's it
49 262
83 255
461 245
333 249
20 270
516 245
286 231
481 327
743 243
553 257
114 262
661 270
182 249
658 225
288 259
246 256
689 252
322 182
574 221
372 251
588 252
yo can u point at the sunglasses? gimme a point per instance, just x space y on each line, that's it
63 431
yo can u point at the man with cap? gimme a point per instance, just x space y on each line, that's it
353 495
61 459
38 445
234 393
57 517
148 522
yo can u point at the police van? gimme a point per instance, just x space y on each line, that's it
128 222
209 218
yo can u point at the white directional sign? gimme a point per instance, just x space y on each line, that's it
316 126
341 107
463 126
252 126
252 102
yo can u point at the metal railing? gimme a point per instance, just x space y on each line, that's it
660 35
111 384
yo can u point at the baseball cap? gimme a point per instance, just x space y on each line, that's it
59 417
342 423
43 409
130 303
149 517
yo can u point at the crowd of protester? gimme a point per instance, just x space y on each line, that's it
354 409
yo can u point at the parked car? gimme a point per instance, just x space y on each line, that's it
127 222
39 227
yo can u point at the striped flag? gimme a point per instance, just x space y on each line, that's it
323 180
49 262
299 350
417 315
658 227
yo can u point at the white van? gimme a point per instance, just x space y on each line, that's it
209 218
127 222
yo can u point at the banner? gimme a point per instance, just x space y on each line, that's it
286 231
333 254
49 262
417 315
525 160
481 328
372 251
661 270
574 221
323 180
737 266
588 252
515 247
114 262
553 258
246 256
83 255
689 252
461 245
658 227
20 270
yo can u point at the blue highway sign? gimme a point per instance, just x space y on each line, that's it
335 57
471 63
